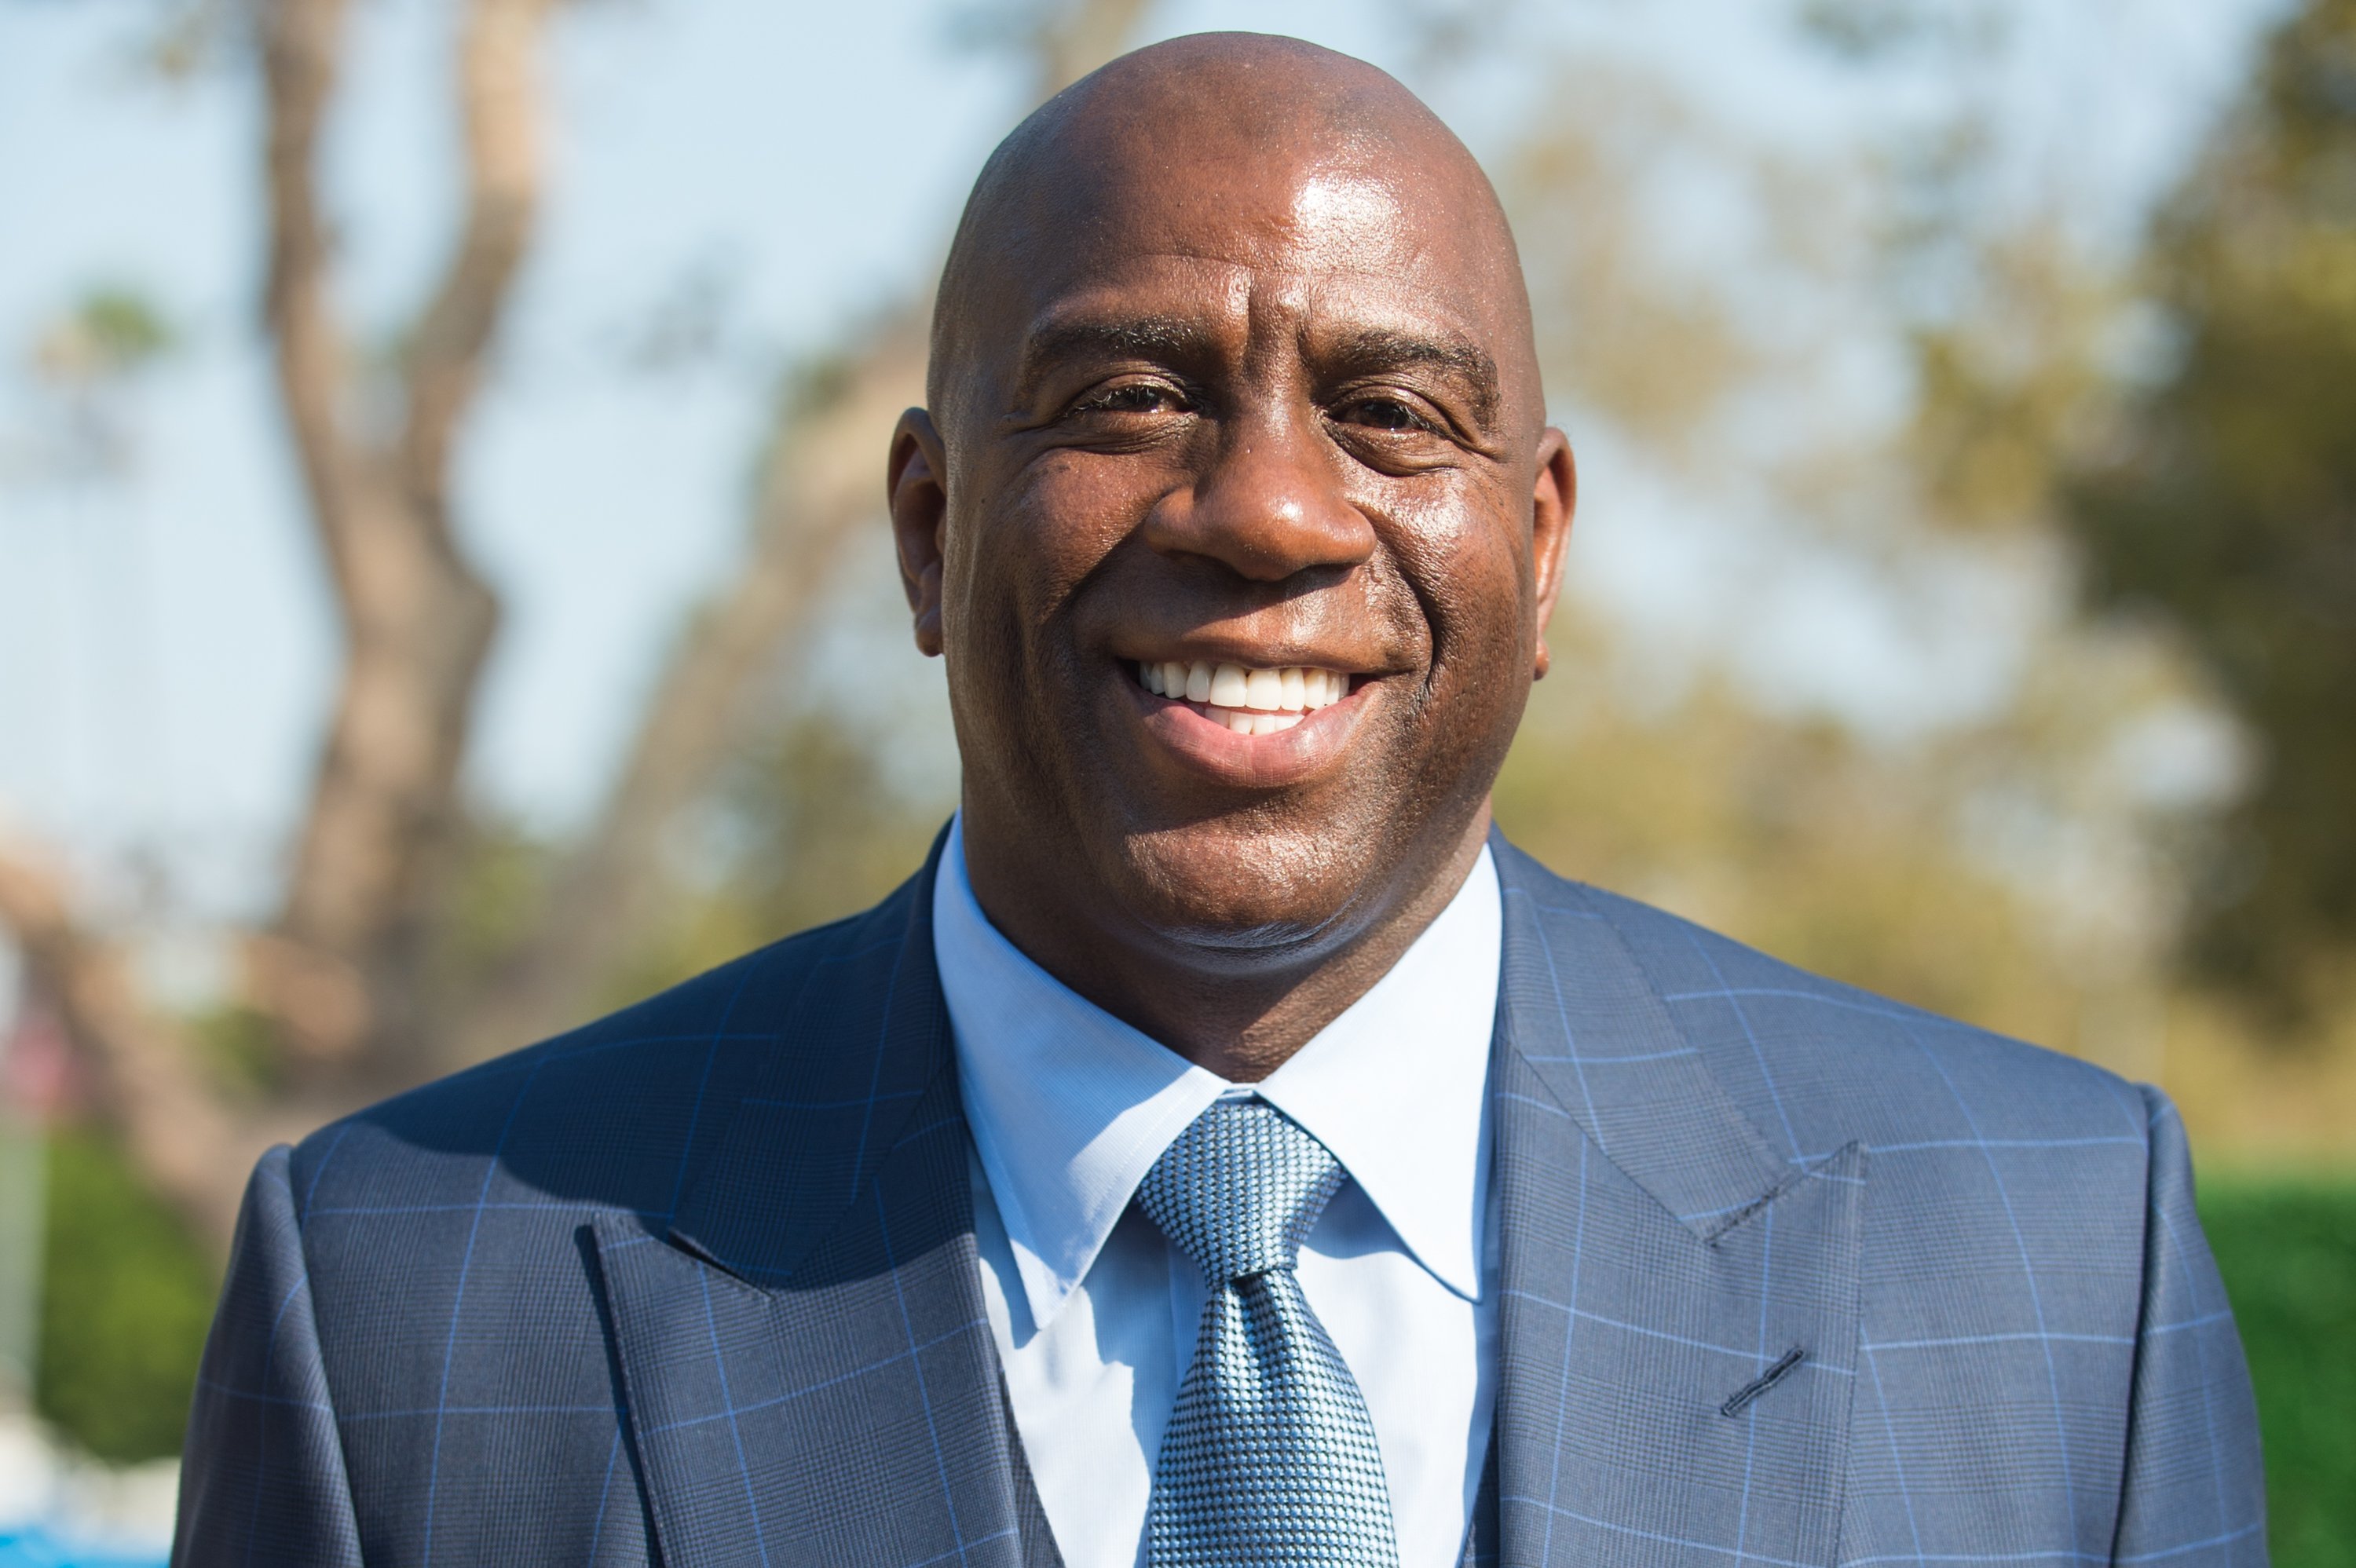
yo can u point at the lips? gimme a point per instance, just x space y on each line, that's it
1247 700
1268 733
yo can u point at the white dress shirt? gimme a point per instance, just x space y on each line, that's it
1095 1313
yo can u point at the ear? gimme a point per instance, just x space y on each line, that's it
916 488
1555 497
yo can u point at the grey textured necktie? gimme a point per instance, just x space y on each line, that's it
1270 1457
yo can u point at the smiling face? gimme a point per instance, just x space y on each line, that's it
1235 518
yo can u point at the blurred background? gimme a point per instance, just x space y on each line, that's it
444 592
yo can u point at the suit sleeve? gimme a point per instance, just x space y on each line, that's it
2194 1489
262 1478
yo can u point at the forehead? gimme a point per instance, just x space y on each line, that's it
1359 236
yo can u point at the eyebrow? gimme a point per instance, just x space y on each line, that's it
1154 338
1385 348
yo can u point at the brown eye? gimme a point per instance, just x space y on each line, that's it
1383 413
1134 398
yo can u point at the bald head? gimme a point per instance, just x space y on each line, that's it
1160 149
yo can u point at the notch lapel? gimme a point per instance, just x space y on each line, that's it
1679 1317
810 1372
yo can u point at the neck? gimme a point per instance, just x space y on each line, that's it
1239 1008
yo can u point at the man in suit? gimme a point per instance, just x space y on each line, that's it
1227 1149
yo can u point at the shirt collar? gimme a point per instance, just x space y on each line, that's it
1070 1106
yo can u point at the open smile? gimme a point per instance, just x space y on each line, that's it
1247 700
1250 727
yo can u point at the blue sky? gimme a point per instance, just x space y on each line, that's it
164 649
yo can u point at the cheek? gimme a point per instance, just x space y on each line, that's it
1469 568
1045 530
1074 507
1013 573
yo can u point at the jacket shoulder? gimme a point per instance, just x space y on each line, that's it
607 1114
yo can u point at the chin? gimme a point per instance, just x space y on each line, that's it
1242 884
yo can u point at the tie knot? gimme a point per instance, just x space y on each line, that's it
1238 1191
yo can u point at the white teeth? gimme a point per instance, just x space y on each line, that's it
1245 721
1242 697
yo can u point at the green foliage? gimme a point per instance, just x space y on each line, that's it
829 834
110 332
2288 1251
126 1296
239 1047
1791 838
125 327
2229 510
496 896
2008 383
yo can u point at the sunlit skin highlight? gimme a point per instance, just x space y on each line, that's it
1232 364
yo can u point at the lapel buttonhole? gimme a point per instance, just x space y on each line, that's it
1776 1374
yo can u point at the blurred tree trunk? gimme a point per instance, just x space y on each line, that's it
343 968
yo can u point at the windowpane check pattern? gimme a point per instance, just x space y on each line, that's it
1269 1457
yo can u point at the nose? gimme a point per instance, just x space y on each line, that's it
1269 505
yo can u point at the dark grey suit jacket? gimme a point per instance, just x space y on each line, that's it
1791 1275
